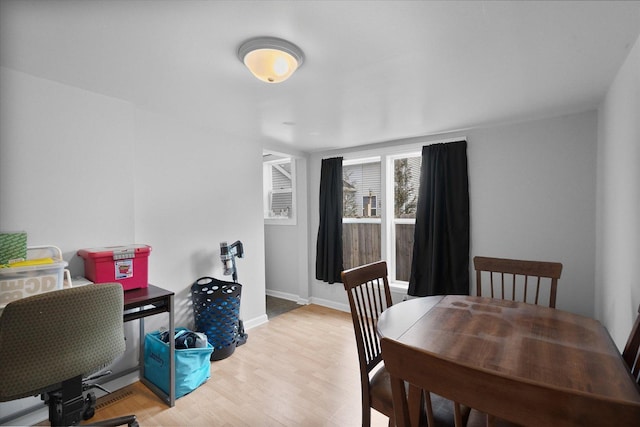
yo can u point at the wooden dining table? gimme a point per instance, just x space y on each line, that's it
546 350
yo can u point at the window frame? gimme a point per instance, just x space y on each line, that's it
386 217
390 159
387 156
268 191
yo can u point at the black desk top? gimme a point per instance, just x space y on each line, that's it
159 298
142 296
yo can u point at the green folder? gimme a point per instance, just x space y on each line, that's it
13 247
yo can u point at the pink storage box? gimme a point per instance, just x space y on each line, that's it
127 265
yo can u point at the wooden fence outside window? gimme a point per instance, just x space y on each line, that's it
361 245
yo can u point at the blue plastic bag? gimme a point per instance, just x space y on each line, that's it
192 365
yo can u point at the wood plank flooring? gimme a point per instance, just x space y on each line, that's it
299 369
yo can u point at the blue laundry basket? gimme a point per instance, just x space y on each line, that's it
216 311
192 365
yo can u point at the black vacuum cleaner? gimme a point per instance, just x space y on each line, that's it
216 305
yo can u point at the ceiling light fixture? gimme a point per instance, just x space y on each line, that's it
270 59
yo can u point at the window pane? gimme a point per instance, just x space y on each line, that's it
406 178
279 187
369 206
281 176
406 184
361 190
281 205
360 243
404 250
361 193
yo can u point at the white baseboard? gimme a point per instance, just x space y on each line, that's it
256 321
287 296
318 301
331 304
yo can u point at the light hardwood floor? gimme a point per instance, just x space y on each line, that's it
299 369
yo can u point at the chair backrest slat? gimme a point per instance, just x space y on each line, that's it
369 295
367 313
520 272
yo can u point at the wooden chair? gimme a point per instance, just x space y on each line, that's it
526 279
631 353
523 282
526 403
369 295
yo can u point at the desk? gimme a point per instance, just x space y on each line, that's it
515 343
143 302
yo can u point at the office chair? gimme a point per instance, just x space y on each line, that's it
48 342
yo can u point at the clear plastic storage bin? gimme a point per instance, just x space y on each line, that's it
21 282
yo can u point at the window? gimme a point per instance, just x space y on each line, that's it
373 229
406 182
279 189
369 206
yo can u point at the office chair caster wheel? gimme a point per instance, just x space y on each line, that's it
90 406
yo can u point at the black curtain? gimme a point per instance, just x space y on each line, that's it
329 245
440 263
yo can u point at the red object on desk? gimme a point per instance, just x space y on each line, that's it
127 265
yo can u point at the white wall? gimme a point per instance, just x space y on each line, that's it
66 164
286 246
78 169
618 248
532 188
193 189
532 193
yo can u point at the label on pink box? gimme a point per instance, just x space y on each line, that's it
124 269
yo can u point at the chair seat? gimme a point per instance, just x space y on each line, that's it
382 401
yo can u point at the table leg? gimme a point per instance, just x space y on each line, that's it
141 349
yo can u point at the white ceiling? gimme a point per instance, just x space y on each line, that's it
374 70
